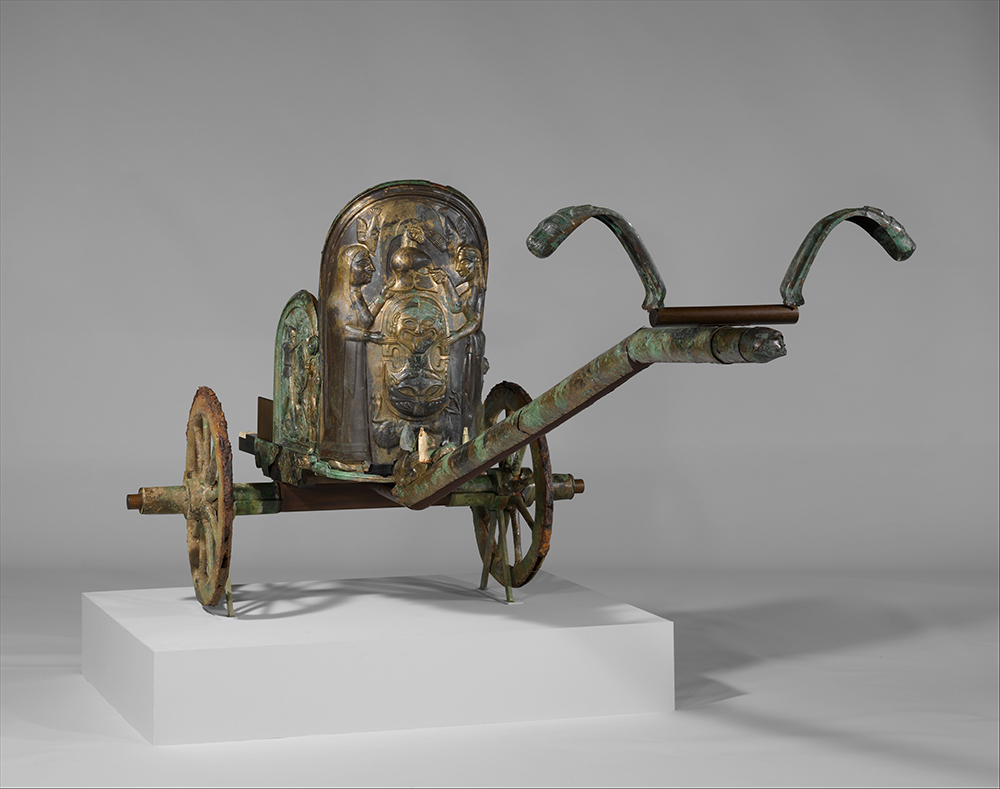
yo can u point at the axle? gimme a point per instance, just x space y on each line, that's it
262 498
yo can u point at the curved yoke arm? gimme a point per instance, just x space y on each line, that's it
554 229
874 221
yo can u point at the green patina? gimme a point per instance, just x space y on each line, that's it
706 344
554 229
256 498
889 233
296 373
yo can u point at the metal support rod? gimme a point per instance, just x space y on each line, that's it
261 498
733 315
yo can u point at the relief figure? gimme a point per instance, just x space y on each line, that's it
299 348
296 372
472 292
350 320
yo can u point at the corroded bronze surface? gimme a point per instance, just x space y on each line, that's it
208 488
296 373
889 233
402 291
554 229
525 493
711 344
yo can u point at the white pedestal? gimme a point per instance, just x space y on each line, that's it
371 655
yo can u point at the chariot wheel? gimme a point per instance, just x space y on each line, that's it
208 478
513 536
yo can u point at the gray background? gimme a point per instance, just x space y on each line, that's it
822 530
170 172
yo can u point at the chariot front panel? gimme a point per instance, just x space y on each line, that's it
402 290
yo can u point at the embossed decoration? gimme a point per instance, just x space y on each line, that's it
402 292
296 373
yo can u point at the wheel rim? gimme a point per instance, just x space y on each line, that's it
525 504
208 478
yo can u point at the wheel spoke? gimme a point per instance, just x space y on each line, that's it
194 541
211 472
194 444
202 449
211 537
488 553
198 437
516 528
525 513
512 462
202 545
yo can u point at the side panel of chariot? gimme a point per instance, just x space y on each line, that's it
296 373
402 291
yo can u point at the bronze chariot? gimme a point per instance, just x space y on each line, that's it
378 382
